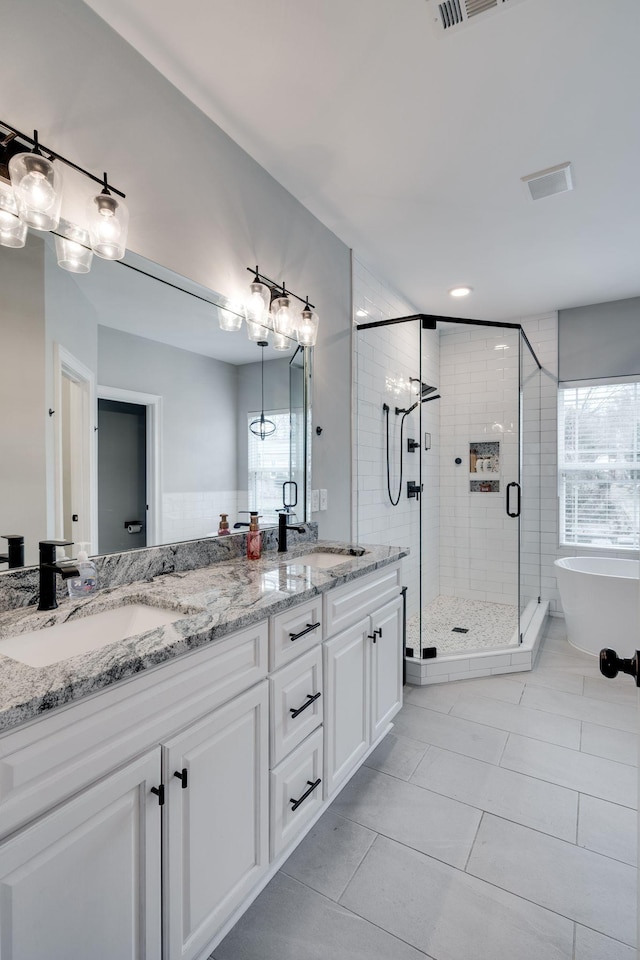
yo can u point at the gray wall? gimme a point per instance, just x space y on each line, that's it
600 340
22 397
198 406
199 204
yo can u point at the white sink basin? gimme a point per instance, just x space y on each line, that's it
320 559
41 648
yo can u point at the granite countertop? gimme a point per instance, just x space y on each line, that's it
216 600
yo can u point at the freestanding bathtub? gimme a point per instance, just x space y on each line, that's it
601 602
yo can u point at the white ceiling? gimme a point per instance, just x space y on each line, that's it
410 143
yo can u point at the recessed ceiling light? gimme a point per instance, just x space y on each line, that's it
361 313
460 291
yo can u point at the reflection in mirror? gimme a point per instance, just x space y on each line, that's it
126 407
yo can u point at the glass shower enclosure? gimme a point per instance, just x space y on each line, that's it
448 463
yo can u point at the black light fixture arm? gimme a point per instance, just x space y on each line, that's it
279 288
13 133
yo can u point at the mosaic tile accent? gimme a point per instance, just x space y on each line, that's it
489 625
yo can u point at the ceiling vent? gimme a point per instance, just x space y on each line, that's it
546 183
450 14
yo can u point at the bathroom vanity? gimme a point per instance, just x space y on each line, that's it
141 818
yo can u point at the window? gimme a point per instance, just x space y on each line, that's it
270 462
598 464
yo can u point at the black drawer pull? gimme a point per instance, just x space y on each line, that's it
376 633
311 698
312 786
308 629
182 775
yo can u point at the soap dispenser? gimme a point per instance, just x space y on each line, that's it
224 525
254 538
86 582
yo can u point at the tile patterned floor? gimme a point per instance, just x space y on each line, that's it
495 822
489 625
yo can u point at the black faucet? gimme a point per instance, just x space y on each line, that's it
283 526
49 567
15 554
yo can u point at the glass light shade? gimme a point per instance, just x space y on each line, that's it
256 331
280 342
230 319
13 232
108 222
73 251
37 186
285 321
308 328
259 301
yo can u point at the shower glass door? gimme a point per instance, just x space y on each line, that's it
470 515
530 467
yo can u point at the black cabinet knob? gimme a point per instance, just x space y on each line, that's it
611 665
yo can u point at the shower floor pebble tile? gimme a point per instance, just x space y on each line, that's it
566 811
489 624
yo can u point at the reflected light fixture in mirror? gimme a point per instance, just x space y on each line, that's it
108 220
73 252
262 427
13 232
37 187
280 342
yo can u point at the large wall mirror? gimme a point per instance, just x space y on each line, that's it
126 409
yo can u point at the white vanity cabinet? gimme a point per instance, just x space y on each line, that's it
84 880
362 670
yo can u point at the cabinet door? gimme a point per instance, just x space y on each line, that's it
84 880
217 825
346 718
386 666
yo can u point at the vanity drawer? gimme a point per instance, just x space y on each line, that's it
50 759
296 703
345 605
294 632
296 792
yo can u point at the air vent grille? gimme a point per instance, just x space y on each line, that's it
474 7
450 13
546 183
456 13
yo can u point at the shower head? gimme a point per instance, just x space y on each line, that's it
425 390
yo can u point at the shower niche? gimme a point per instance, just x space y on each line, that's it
484 466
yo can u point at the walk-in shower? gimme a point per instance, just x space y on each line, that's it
457 481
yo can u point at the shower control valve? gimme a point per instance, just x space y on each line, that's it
414 489
412 445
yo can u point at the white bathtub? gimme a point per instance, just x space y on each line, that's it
601 602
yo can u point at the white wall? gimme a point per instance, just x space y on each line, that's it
199 204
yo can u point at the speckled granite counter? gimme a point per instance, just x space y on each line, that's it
216 600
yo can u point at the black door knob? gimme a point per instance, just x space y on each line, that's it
611 664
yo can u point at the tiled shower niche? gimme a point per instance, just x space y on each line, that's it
487 478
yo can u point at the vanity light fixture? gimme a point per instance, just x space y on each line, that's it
13 232
461 291
31 193
262 427
230 319
108 224
276 314
280 342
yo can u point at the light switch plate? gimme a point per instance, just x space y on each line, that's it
323 499
315 501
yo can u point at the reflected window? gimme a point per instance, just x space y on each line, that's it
270 461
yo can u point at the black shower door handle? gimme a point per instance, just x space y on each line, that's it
515 513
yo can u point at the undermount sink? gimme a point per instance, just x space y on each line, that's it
42 648
321 559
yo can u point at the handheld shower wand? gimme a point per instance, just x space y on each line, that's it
425 391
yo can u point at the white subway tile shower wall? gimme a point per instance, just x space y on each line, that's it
192 514
381 358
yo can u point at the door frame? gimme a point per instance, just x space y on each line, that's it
65 364
153 404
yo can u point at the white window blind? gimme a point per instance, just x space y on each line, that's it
598 465
269 463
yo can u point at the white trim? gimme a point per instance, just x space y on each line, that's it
66 365
153 404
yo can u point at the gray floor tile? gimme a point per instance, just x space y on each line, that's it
593 946
571 661
434 696
397 756
620 745
329 855
606 714
442 696
571 768
534 803
516 718
609 829
450 915
556 679
426 821
452 733
288 921
620 690
587 887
